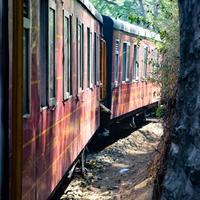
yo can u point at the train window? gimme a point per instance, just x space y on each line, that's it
152 63
67 73
26 59
80 46
96 59
52 46
116 68
136 63
89 57
43 52
145 59
126 61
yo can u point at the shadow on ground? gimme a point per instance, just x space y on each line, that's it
116 131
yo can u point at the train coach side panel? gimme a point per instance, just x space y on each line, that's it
131 95
54 137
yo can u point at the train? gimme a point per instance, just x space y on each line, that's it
61 65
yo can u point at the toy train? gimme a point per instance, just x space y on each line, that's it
61 58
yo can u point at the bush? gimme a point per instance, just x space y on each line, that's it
160 111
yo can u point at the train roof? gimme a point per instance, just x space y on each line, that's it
92 9
134 29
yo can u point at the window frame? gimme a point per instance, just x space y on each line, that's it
27 26
116 67
89 58
44 54
127 67
80 66
144 63
51 100
95 58
67 70
98 60
152 63
136 63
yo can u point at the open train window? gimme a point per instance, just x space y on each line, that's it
51 55
26 59
126 61
116 65
89 57
145 59
43 53
80 61
67 71
136 63
96 58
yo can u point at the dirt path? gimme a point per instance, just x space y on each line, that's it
120 171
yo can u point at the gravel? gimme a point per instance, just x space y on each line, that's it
120 171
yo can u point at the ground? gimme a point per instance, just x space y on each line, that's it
121 170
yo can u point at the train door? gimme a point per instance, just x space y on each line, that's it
3 100
103 69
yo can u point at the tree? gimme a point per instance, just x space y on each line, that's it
182 180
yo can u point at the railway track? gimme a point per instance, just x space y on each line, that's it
119 168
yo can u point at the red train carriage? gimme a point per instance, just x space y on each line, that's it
54 50
130 62
58 44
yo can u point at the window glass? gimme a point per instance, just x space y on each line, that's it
80 55
89 56
152 64
116 68
67 57
95 58
26 59
43 53
126 61
136 63
145 59
52 76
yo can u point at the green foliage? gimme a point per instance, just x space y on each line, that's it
160 111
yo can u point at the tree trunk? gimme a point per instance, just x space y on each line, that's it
182 179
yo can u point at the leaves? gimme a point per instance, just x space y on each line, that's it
160 16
